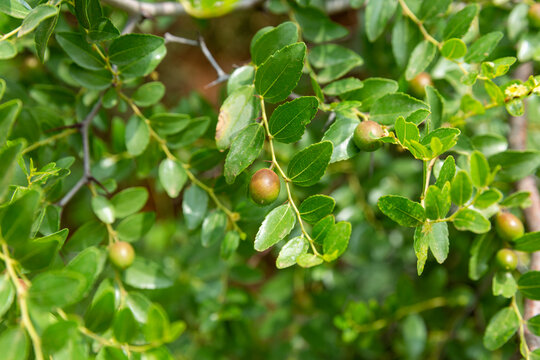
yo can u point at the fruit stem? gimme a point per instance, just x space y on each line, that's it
522 337
407 12
428 166
287 180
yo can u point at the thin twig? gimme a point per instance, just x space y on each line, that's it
85 124
170 38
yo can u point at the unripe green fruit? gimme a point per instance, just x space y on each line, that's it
264 187
534 15
419 83
367 136
507 259
508 226
121 254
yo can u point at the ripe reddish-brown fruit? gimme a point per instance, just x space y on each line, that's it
419 83
507 259
508 226
534 15
121 254
264 187
367 136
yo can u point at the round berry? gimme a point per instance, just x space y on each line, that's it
534 15
264 187
507 259
508 226
121 254
419 83
367 136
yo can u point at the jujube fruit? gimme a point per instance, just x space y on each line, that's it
508 226
367 136
507 259
121 254
534 15
264 187
419 83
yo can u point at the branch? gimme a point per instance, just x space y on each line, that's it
170 8
222 75
87 175
518 141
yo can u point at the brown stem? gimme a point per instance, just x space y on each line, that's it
518 141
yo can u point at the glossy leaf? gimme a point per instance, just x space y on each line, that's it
129 201
388 108
288 121
245 149
471 220
172 177
213 228
272 41
276 225
291 251
315 207
194 206
502 326
308 165
402 210
336 240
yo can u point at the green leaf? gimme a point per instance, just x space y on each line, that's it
244 75
388 108
14 8
89 263
103 209
239 110
95 80
437 202
129 201
276 225
402 210
195 129
453 49
7 294
168 124
79 51
421 246
229 244
436 106
420 59
321 229
336 240
172 176
343 86
62 339
35 17
487 198
132 47
291 251
502 326
406 131
373 89
8 162
308 165
504 284
146 274
316 26
245 149
213 228
483 47
530 242
134 227
309 260
156 325
405 36
447 172
415 335
194 205
57 289
276 78
17 219
495 93
335 61
288 121
40 253
89 234
482 249
273 40
137 136
9 111
149 94
515 107
102 30
461 190
100 313
471 220
515 164
377 15
340 133
7 50
432 8
143 65
534 325
14 344
124 325
315 207
436 236
529 285
518 199
460 22
480 172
